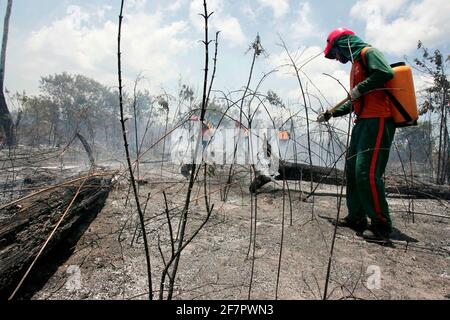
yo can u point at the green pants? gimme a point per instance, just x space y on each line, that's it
367 158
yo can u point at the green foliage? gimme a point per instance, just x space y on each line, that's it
191 107
416 139
436 101
163 102
41 117
274 99
75 103
186 93
435 65
144 104
79 102
215 112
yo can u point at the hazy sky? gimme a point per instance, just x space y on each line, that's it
160 39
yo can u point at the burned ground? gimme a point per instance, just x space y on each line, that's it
217 264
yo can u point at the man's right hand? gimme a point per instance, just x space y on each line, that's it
324 116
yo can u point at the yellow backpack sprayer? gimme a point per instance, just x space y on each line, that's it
401 92
403 97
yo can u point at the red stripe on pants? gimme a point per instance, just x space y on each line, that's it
373 167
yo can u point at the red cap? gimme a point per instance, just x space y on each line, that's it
335 34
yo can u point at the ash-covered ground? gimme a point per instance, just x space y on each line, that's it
108 262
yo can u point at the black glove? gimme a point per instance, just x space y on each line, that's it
325 116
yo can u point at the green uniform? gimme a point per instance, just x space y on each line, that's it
370 144
368 155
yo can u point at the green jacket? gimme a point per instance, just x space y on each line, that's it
378 69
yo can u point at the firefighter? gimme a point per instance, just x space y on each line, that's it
372 134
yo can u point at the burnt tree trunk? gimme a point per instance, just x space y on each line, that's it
24 227
394 184
6 121
87 148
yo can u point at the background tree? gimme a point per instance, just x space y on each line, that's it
83 103
215 112
436 102
416 140
70 104
40 122
6 122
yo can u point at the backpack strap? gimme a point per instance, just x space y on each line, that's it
364 60
399 107
366 74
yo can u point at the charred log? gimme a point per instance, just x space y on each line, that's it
394 184
301 172
420 190
26 225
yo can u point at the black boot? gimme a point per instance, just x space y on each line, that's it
358 226
377 234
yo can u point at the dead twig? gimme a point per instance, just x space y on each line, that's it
127 151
